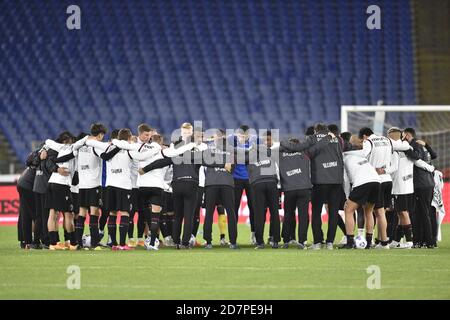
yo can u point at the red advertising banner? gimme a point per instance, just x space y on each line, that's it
9 200
9 205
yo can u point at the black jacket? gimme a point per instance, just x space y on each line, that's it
327 164
422 178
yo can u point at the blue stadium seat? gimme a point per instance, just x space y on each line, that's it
282 64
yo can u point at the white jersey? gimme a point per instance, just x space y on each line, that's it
135 168
403 178
148 153
63 150
358 169
378 150
118 170
90 164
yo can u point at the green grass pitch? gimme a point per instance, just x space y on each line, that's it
222 273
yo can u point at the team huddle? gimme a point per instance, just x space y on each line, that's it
387 183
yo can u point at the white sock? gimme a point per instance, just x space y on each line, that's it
361 232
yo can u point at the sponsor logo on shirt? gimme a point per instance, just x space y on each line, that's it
292 172
293 154
407 177
262 163
332 164
116 170
185 177
85 167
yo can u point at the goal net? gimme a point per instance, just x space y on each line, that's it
432 124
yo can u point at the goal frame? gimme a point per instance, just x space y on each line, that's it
346 109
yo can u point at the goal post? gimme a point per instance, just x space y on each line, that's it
432 124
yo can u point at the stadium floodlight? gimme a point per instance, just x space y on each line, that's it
432 124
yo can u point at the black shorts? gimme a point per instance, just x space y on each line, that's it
118 199
385 196
167 198
91 197
150 196
58 197
366 193
135 199
103 206
403 202
76 203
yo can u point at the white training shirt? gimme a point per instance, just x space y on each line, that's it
118 170
358 169
90 164
378 150
63 150
135 167
402 179
148 153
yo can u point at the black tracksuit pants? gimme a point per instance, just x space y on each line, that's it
184 200
296 199
27 212
265 194
321 194
239 186
41 230
434 224
214 196
422 232
198 206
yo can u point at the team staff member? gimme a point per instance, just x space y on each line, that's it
365 183
201 146
47 165
294 168
423 193
242 140
167 214
327 172
219 184
296 184
27 208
